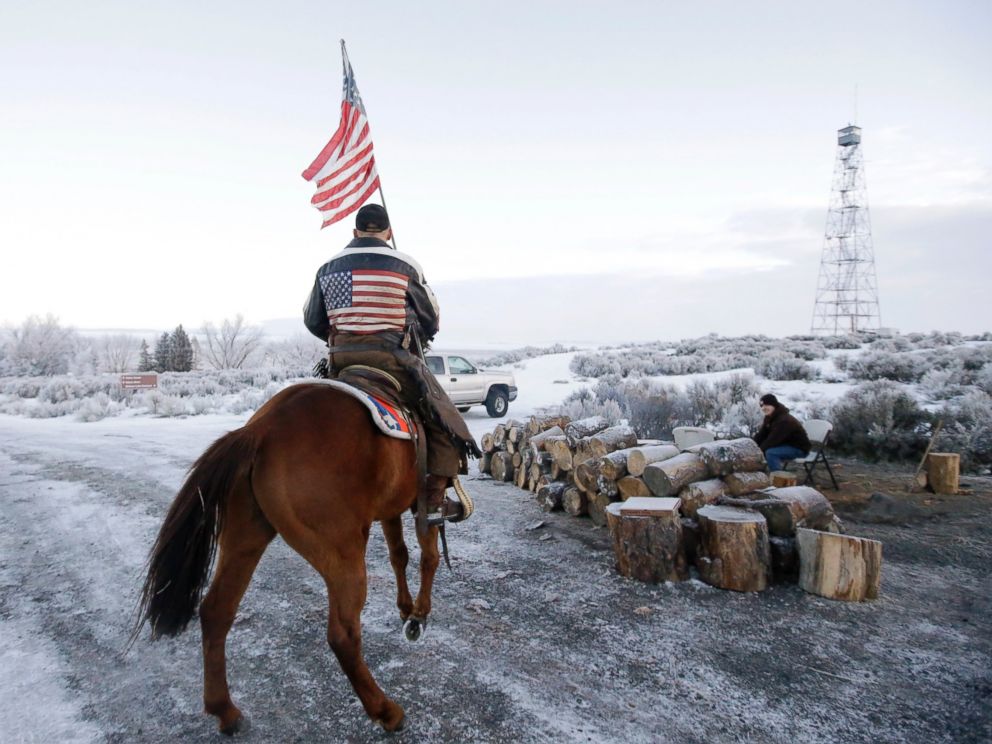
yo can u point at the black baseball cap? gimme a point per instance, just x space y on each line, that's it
372 218
769 400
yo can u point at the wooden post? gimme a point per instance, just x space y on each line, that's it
943 472
647 539
839 566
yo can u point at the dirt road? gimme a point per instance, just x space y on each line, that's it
533 637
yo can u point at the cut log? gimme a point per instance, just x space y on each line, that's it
690 539
733 550
549 496
559 449
596 507
537 424
520 476
537 441
610 440
509 446
726 456
607 486
668 477
574 502
629 487
614 465
487 443
787 509
782 479
943 472
502 466
739 484
697 495
647 539
514 431
640 457
583 428
517 459
586 474
485 462
839 566
499 436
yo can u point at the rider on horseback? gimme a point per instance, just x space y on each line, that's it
372 306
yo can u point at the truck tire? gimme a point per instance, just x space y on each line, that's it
497 403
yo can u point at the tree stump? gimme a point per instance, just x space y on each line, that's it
839 566
739 484
642 456
697 495
647 539
668 477
733 551
784 479
943 472
726 456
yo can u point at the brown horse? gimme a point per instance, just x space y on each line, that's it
311 466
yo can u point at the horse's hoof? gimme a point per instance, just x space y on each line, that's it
239 725
399 725
413 628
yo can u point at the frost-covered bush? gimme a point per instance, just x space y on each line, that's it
519 355
967 430
879 421
841 342
782 365
885 365
97 407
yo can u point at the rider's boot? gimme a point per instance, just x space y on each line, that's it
441 507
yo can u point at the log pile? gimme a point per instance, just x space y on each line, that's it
713 506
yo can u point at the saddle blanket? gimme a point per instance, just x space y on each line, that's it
386 416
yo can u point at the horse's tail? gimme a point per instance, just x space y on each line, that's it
180 560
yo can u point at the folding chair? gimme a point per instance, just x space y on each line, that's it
818 432
687 436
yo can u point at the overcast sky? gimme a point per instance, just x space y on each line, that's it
563 171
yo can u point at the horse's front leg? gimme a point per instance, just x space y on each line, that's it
429 560
399 557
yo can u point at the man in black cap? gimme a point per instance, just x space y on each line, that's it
781 436
374 308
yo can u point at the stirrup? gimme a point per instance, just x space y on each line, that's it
468 507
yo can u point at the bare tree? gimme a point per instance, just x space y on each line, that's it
299 351
231 346
119 352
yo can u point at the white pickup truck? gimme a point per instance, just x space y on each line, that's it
468 386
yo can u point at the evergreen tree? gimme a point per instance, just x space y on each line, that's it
181 350
145 363
163 353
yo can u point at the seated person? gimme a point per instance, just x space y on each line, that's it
781 436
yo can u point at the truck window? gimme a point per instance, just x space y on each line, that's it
435 364
460 366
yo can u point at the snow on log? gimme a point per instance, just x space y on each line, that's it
607 486
647 539
739 484
668 477
839 566
537 424
726 456
586 427
610 440
640 457
697 495
733 551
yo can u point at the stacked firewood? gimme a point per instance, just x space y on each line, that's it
722 512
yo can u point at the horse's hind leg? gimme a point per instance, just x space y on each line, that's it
243 539
346 590
399 557
430 558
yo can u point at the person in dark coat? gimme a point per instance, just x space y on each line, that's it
781 436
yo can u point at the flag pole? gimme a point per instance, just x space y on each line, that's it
347 64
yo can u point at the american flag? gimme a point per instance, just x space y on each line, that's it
344 171
365 300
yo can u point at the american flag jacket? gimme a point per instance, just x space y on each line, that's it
370 287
